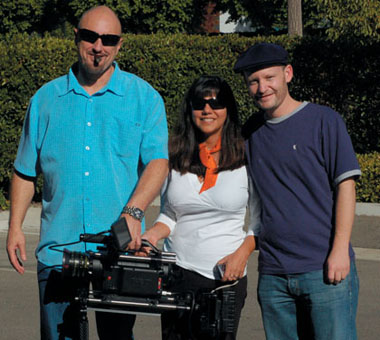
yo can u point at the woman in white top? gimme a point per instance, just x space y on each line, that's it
204 201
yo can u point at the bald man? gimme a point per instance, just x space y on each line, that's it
99 137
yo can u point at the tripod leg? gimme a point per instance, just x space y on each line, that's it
83 319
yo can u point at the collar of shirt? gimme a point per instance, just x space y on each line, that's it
114 85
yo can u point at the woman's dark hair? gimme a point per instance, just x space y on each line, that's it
183 145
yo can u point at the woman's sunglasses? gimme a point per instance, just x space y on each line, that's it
200 103
91 37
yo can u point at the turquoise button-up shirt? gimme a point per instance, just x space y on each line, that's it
91 151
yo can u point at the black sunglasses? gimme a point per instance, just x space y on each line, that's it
91 37
200 103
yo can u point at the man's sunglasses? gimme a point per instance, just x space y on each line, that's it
91 37
200 103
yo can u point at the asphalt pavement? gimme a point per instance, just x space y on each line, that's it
19 310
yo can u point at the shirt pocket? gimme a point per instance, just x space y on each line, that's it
127 136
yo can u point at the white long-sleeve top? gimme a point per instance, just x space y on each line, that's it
206 227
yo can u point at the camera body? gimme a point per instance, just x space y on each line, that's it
116 273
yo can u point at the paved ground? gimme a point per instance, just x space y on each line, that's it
19 295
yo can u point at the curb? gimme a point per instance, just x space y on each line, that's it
369 209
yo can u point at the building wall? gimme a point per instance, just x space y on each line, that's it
232 27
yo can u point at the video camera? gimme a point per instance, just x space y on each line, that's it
126 283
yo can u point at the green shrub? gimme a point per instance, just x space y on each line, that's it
4 203
368 185
343 75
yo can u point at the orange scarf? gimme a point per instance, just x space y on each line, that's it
208 161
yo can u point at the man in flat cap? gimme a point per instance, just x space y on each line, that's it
303 163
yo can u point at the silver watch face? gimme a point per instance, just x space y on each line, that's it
139 213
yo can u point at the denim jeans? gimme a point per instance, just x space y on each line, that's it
305 306
59 316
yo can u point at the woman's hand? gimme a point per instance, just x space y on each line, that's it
235 263
234 266
153 235
144 250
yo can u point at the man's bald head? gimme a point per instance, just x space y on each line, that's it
101 14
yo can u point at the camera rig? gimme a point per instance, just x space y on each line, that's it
116 281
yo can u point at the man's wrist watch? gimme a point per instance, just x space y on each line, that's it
135 212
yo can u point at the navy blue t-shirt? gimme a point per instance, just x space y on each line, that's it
296 162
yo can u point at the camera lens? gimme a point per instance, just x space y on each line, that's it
75 264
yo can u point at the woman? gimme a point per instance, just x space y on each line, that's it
204 201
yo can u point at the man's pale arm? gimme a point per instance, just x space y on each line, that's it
22 191
338 262
146 191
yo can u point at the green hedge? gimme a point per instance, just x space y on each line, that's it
368 186
343 75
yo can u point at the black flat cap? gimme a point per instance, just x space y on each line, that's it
260 56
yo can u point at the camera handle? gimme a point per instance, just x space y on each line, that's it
146 243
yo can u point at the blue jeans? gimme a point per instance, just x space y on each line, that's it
304 306
59 316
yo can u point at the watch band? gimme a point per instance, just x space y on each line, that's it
135 212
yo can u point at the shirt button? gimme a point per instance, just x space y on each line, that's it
89 124
87 147
90 100
86 173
